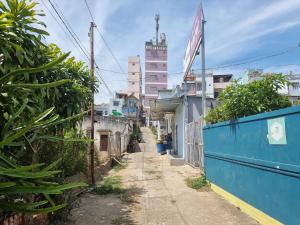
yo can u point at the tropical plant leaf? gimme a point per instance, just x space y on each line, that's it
56 138
25 129
41 189
14 116
68 119
7 184
29 207
35 70
27 175
52 165
22 189
7 161
37 86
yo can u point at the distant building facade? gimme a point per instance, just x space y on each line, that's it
156 67
294 88
135 77
215 84
292 91
102 109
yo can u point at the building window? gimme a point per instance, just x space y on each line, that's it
115 103
199 86
133 83
153 89
154 77
105 113
133 73
164 65
133 64
154 54
153 65
295 85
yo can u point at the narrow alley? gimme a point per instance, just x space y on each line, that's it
161 196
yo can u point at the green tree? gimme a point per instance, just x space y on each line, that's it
259 96
42 96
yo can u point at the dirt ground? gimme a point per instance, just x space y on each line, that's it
159 196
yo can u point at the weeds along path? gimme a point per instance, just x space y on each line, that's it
148 191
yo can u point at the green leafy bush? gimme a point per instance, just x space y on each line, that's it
197 182
240 100
43 94
136 133
72 150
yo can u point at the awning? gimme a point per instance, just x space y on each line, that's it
159 107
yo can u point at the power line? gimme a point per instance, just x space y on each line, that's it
60 25
255 59
104 83
103 39
76 38
245 61
68 24
90 12
69 30
233 64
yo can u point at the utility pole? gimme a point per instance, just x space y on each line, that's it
203 73
92 61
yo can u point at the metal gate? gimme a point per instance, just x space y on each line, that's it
194 144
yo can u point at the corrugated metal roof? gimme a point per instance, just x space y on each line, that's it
159 107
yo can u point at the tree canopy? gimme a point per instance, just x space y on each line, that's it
43 93
240 100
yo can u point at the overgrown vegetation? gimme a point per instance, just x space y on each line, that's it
113 185
197 182
154 130
43 95
240 100
117 167
136 133
110 185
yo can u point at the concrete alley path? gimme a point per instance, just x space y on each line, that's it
166 200
161 196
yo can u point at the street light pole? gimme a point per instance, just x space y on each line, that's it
203 73
92 67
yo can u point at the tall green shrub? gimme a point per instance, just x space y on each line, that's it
43 94
240 100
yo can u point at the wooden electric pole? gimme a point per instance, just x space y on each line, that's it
92 61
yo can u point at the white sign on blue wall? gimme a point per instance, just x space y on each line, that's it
276 131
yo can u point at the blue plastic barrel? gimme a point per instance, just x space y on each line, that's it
159 147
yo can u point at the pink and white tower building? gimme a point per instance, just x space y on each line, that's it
156 67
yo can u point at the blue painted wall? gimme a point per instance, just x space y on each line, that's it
239 159
179 120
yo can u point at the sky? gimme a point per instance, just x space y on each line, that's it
237 33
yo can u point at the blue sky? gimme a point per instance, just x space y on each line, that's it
235 30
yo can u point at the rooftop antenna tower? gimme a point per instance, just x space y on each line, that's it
157 27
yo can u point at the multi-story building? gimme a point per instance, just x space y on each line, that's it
221 82
156 67
292 91
116 106
135 77
294 88
215 84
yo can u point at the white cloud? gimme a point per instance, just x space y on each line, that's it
232 35
231 26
